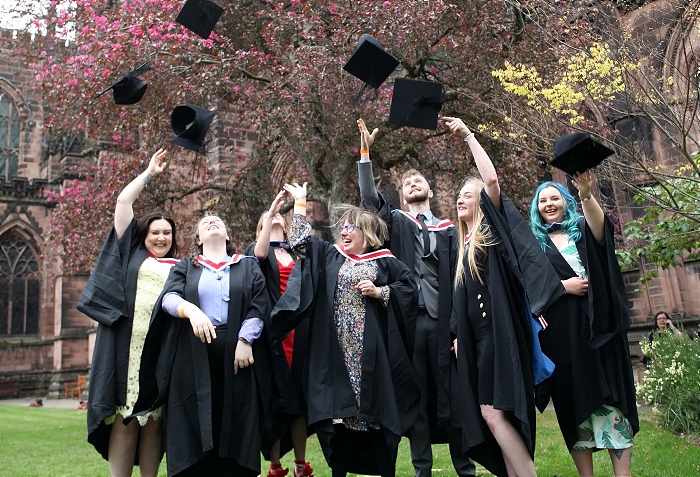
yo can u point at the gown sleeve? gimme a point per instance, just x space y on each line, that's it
104 296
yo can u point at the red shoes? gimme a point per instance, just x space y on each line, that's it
277 472
303 469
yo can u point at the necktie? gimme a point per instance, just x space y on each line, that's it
426 235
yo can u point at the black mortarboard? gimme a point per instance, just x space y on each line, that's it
190 124
200 16
371 63
578 152
416 103
129 89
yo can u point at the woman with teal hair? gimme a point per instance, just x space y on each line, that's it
592 387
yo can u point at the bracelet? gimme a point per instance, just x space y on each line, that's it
585 199
181 309
364 151
466 138
300 204
244 340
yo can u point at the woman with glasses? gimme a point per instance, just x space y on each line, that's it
360 302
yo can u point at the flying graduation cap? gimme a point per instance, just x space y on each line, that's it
578 152
199 16
129 89
190 124
416 103
371 63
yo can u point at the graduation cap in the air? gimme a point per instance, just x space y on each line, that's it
199 16
129 89
371 63
416 103
578 152
190 124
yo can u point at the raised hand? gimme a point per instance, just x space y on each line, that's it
276 205
457 126
298 192
366 139
157 164
582 181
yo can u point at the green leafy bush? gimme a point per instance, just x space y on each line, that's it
672 381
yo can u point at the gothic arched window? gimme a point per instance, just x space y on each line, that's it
9 137
19 287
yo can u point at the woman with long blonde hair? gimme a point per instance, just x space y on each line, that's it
491 318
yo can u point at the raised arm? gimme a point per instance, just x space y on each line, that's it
124 210
300 228
595 218
482 160
262 246
365 176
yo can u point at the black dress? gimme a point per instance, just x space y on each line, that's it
492 325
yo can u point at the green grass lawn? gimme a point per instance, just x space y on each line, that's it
52 442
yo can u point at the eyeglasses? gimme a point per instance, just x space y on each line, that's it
347 228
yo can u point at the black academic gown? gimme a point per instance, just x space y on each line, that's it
401 233
288 401
108 298
587 339
514 270
390 395
175 374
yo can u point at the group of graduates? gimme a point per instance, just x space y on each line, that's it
407 325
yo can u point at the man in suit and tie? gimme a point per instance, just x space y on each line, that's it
428 247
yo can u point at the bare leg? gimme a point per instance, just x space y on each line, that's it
298 432
621 460
149 448
584 462
515 452
122 447
275 453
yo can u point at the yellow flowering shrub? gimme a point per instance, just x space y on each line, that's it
593 74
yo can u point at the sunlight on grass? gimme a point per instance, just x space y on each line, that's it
37 442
